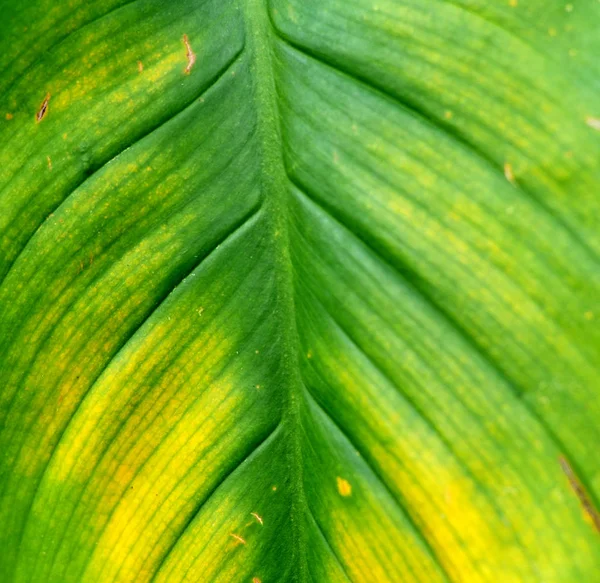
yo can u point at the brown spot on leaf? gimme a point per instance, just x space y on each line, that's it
580 492
49 162
190 55
43 110
9 116
238 538
140 66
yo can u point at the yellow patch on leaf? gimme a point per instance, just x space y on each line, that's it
344 487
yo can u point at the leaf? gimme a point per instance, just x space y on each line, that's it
299 291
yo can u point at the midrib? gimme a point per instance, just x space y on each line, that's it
275 188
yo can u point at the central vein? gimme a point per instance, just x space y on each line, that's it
275 188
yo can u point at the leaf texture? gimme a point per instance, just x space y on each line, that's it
299 291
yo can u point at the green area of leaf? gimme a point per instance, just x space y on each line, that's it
299 291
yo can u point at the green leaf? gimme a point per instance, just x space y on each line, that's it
299 290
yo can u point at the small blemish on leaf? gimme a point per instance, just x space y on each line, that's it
344 487
292 14
257 517
189 54
256 580
238 538
9 116
593 122
580 492
49 163
140 66
43 110
508 173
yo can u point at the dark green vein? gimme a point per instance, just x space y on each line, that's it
423 115
434 30
383 482
326 542
225 396
60 40
259 39
418 410
263 442
463 333
97 278
132 405
156 306
408 273
150 130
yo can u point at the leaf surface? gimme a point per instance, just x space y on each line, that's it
299 291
